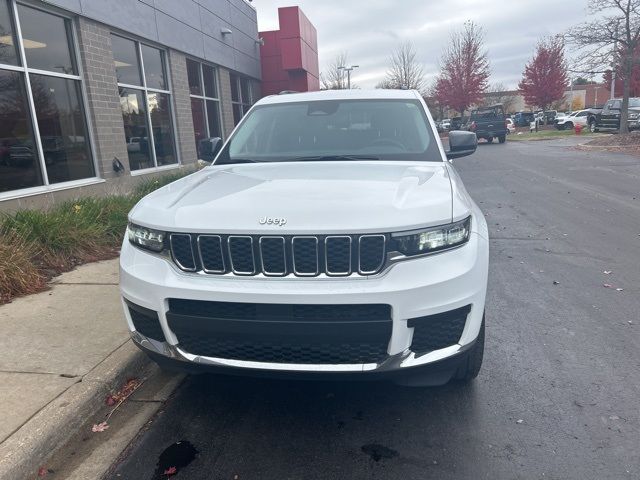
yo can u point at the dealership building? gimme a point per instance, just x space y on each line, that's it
96 95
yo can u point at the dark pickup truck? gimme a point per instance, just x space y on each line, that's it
489 123
609 117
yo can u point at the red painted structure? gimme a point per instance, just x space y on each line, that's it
289 56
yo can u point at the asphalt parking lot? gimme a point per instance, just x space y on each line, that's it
559 393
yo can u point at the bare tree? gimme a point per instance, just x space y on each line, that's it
335 78
498 93
404 71
610 40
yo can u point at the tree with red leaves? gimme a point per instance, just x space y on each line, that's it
545 79
464 74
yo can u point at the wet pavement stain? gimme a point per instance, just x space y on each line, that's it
174 458
379 452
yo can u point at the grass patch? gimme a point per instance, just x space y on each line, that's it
36 245
544 135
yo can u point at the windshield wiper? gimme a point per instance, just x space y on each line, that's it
236 160
331 158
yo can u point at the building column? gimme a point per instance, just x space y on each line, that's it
103 103
186 141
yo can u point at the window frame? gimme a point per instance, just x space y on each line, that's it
204 98
26 71
145 91
244 105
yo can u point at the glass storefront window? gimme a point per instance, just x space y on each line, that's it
153 61
19 162
40 86
160 109
146 106
136 130
205 109
125 56
241 96
63 131
47 41
8 45
193 74
209 76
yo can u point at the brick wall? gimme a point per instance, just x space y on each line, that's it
103 99
225 101
182 104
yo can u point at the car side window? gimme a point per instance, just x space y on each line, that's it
616 105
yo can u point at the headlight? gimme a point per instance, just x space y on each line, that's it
146 237
432 239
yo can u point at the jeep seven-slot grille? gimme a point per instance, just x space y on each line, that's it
279 256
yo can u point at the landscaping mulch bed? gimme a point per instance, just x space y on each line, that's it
625 143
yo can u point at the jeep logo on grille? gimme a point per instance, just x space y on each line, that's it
281 222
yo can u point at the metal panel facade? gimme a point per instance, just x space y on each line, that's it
191 26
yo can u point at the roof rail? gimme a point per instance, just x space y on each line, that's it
287 92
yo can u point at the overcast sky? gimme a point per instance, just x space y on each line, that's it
370 29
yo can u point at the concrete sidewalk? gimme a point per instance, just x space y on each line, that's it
61 352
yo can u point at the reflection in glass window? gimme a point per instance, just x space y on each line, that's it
146 111
19 163
125 57
59 150
47 41
199 121
209 76
241 96
8 45
205 109
63 131
193 74
136 131
159 107
153 62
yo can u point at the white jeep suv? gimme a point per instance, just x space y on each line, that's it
330 237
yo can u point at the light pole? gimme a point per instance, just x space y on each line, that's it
349 70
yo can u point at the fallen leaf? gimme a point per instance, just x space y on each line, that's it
555 282
619 289
99 427
42 472
110 401
171 471
519 421
606 285
607 272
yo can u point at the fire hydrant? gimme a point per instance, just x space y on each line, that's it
578 129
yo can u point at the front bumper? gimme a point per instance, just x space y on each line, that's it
415 288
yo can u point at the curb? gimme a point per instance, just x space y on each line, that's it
52 427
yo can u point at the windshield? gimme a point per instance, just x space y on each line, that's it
334 130
634 102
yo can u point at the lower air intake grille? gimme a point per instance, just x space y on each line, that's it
146 322
434 332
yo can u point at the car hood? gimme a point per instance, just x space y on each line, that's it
311 197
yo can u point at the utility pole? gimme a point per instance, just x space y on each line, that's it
349 70
613 67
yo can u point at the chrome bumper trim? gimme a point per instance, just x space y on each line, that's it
400 361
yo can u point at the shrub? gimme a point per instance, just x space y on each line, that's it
36 245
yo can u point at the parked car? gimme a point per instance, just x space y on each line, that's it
609 117
489 123
446 123
523 119
313 248
457 123
511 126
133 145
581 117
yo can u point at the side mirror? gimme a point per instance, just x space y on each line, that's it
461 144
209 148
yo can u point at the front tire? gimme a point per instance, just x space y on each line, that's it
593 128
502 138
489 139
471 366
